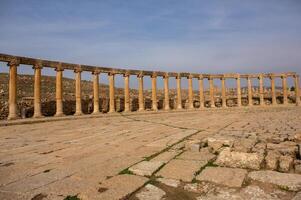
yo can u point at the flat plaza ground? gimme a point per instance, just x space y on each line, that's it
56 159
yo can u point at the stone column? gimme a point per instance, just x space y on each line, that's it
238 90
297 86
78 92
179 95
126 92
250 95
284 88
154 92
190 92
59 91
166 92
12 90
274 101
261 92
201 91
96 91
141 98
211 92
37 90
224 98
112 92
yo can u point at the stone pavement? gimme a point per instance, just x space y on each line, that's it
126 155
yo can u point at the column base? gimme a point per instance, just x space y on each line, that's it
59 115
38 116
78 114
141 109
13 117
95 113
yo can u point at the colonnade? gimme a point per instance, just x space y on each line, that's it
14 62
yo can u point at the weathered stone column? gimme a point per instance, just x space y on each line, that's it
261 92
211 92
190 92
12 87
284 88
274 101
166 92
238 91
141 98
112 92
37 90
201 91
297 86
179 95
250 95
224 98
78 92
59 91
96 91
154 92
126 92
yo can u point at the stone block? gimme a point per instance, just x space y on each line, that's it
222 175
272 160
146 168
150 192
285 163
239 159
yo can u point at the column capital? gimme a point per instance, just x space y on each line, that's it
260 76
296 76
210 78
96 72
112 73
166 75
154 75
13 62
59 68
37 65
78 69
237 76
189 76
223 77
126 74
178 76
201 77
283 76
140 75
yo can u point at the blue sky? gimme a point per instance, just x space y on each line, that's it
214 36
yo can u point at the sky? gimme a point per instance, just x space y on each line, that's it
213 36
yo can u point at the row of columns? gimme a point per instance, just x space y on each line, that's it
59 94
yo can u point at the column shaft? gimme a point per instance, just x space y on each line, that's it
238 91
250 95
126 92
179 95
297 87
224 98
201 91
154 93
59 92
37 91
261 92
211 92
284 88
95 92
112 92
78 93
274 101
166 93
141 98
12 96
190 93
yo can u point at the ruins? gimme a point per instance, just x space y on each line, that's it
171 144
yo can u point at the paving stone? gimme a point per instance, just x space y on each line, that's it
297 196
150 192
146 168
166 156
285 163
284 180
225 176
239 159
202 155
218 142
181 169
169 182
272 160
120 186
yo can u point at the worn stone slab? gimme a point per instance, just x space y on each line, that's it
169 182
228 158
120 186
284 180
181 169
166 156
146 168
202 155
150 192
222 175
